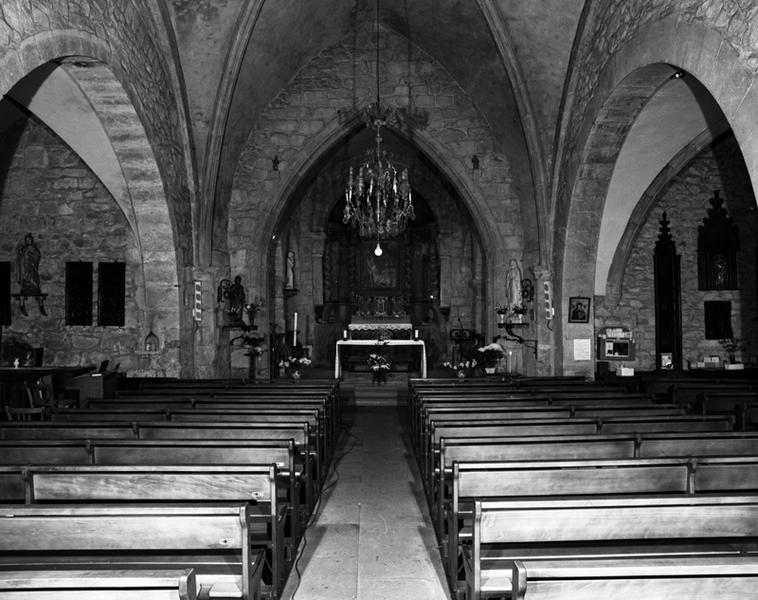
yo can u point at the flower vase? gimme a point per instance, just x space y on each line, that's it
295 374
489 370
461 374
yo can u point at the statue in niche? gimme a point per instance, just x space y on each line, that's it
27 265
289 271
513 294
236 301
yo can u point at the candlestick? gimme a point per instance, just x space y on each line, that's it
294 331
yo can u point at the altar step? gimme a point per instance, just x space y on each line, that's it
357 389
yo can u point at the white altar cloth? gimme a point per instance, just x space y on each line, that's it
340 343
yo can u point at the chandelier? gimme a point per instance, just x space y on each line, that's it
378 198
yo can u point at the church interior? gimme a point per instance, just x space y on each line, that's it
360 210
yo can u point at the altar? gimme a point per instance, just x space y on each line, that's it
374 342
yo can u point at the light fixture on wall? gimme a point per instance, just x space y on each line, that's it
378 198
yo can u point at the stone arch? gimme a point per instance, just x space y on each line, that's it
317 119
145 204
646 203
647 58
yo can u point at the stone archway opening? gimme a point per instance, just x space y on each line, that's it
439 278
107 204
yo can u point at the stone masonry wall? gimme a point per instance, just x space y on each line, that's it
334 84
686 202
46 190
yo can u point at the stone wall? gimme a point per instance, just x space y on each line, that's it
484 218
686 202
46 190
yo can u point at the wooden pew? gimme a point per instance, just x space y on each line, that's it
622 527
576 447
214 540
327 411
255 484
154 430
601 412
258 416
96 584
610 425
725 577
563 478
281 453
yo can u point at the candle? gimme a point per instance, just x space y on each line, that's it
415 334
344 334
294 330
510 362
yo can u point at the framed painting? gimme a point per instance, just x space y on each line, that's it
380 275
579 309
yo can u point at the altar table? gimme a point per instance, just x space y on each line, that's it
340 343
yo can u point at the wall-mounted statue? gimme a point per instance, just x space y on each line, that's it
27 265
289 271
236 301
513 295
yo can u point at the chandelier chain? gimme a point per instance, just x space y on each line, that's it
378 199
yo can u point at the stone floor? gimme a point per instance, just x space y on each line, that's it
371 537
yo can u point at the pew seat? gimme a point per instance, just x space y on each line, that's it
61 583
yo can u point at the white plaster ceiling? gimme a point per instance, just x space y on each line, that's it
679 111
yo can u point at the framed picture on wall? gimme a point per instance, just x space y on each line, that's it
579 309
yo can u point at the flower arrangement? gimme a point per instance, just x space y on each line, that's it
461 367
733 345
294 362
378 362
491 353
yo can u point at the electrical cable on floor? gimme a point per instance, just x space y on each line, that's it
317 507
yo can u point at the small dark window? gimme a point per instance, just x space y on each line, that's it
5 293
78 293
111 293
718 319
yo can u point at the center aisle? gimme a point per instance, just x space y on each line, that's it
372 537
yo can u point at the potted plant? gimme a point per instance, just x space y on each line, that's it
489 355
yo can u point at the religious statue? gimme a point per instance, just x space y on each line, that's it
27 265
289 272
236 301
513 295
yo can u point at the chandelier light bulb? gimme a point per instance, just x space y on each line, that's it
378 250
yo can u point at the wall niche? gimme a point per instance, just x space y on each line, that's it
717 244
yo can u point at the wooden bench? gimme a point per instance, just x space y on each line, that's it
653 578
257 416
534 427
254 484
96 584
580 447
155 430
140 453
600 412
214 540
504 480
506 531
